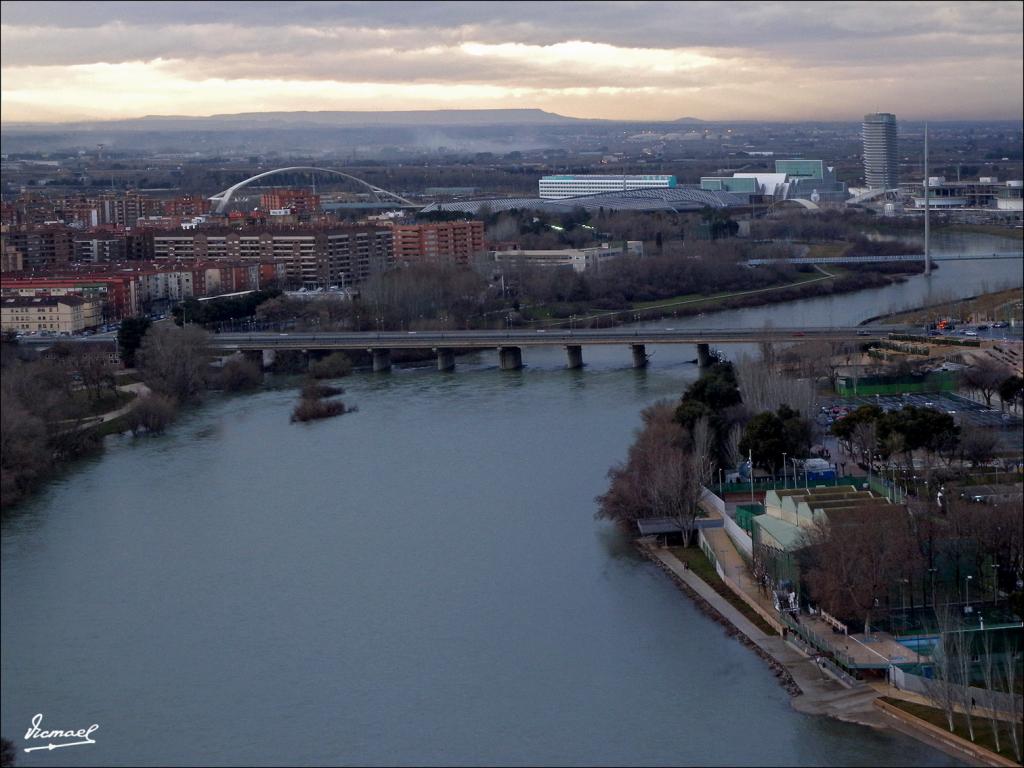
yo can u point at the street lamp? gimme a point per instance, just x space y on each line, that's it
721 494
933 571
995 583
784 485
967 592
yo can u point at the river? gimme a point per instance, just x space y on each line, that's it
421 581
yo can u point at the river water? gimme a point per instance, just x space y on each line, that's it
418 582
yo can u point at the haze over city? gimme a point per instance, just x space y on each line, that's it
611 60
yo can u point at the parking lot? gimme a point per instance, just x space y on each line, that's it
962 409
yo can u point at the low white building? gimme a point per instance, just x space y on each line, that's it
559 187
579 259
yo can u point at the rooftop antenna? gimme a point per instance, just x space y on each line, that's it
927 233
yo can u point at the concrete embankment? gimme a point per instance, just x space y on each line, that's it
814 691
711 604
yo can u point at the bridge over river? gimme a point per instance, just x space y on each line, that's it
511 342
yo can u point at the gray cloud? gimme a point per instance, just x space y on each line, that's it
760 50
769 26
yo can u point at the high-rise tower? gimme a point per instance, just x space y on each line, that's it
878 135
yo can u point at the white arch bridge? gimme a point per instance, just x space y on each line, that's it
223 199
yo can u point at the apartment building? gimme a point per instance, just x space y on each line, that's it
446 242
313 257
94 247
50 314
42 247
301 202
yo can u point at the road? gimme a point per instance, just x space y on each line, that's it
543 338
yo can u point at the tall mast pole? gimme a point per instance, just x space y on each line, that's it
927 233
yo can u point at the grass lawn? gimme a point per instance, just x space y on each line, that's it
541 312
982 725
697 300
986 229
826 250
984 304
112 427
110 401
702 567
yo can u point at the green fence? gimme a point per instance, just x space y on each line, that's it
850 386
771 484
745 514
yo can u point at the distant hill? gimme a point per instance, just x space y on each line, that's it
689 120
437 117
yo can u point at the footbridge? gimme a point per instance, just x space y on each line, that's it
891 258
223 199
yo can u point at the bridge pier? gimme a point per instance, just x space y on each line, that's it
268 357
381 360
445 359
510 358
574 353
639 356
704 356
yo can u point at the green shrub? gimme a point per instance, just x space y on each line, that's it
309 409
152 413
334 366
240 374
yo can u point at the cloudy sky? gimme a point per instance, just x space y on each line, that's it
632 60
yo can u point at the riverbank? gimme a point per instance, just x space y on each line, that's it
833 281
813 690
989 306
1013 233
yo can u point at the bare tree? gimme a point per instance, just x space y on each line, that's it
173 361
96 370
962 676
675 490
941 687
984 376
977 444
1010 673
856 556
702 450
865 439
731 447
631 491
764 389
989 673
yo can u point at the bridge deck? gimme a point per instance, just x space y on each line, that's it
547 338
513 338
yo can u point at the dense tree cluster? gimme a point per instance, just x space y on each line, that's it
174 361
870 430
43 407
663 475
769 437
209 313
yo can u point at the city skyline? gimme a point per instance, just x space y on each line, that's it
619 61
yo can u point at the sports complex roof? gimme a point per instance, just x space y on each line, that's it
657 199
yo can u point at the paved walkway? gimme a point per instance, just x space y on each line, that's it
822 694
140 390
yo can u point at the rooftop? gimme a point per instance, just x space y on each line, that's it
40 301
